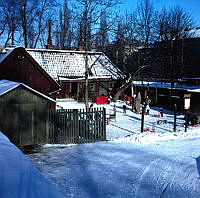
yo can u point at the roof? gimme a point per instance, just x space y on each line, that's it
167 85
194 33
7 86
8 51
71 64
5 54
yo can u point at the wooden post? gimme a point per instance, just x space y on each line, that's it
185 126
175 110
75 125
142 121
104 125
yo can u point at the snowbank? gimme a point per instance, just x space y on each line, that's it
150 138
19 178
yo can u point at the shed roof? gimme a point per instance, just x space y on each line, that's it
7 86
167 85
71 64
194 33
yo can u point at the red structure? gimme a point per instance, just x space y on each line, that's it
19 66
102 100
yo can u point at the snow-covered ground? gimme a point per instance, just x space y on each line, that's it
155 163
127 127
19 178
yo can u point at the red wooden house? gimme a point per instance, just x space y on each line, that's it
18 65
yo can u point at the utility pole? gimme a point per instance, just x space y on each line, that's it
171 64
86 56
86 79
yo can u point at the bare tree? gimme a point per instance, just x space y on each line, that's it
145 21
2 20
63 30
102 36
171 24
91 12
25 20
8 21
119 46
44 11
131 27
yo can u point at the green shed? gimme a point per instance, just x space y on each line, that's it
23 113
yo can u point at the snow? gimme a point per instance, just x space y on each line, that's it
19 178
131 164
59 63
195 33
7 86
167 85
83 78
128 126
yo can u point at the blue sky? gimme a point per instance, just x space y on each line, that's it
192 6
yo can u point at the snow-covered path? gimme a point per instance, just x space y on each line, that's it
118 169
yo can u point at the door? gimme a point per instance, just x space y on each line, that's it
27 124
9 122
74 89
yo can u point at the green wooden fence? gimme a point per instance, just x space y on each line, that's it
76 126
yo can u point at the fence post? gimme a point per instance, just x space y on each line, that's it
104 124
142 120
47 126
75 119
175 110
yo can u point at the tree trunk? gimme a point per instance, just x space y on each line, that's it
126 84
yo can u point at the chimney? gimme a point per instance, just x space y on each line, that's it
81 46
49 39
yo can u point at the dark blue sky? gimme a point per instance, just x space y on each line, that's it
191 6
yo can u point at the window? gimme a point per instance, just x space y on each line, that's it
91 86
111 85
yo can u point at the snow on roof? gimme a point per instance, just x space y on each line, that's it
195 90
167 85
6 86
19 177
83 78
194 33
71 64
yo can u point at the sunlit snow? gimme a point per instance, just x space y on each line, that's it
155 163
